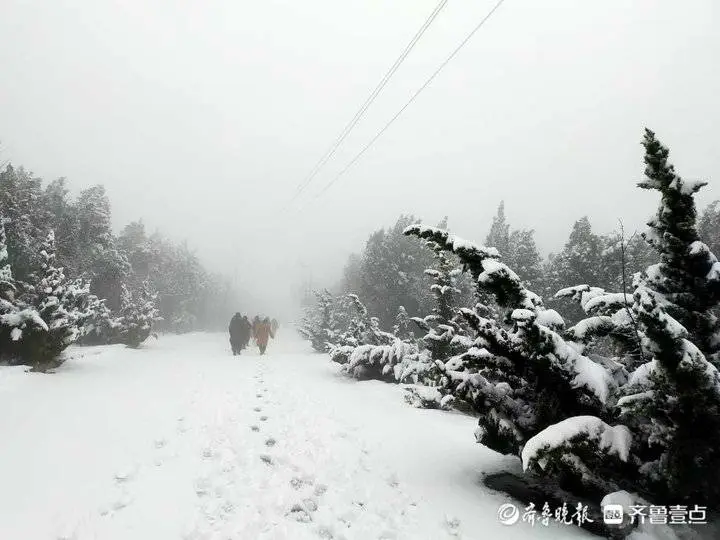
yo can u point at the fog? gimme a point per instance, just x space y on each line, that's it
202 118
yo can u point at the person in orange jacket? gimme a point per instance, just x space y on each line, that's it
263 333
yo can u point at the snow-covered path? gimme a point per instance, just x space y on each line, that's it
181 440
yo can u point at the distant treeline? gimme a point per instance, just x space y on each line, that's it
39 218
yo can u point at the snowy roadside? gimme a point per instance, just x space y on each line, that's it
182 440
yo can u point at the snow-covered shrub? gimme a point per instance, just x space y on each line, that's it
396 361
137 316
582 453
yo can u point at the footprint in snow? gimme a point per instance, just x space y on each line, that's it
128 473
297 482
160 443
255 428
202 486
270 442
265 458
121 502
263 418
257 409
298 513
453 525
325 532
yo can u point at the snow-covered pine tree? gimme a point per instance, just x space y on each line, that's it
137 315
580 262
403 329
318 325
27 221
525 257
709 226
17 319
623 257
671 401
499 234
8 309
56 300
100 326
358 321
443 333
688 271
520 374
7 284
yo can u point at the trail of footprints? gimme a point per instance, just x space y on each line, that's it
219 484
308 490
125 477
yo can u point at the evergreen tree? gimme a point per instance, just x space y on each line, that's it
100 326
499 234
709 226
7 283
678 393
623 257
525 257
138 314
318 325
26 221
442 326
670 399
688 271
403 329
17 320
57 301
63 220
520 375
391 274
579 263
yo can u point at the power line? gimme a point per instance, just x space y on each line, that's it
414 96
358 115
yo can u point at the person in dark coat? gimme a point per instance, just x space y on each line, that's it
274 326
235 330
246 332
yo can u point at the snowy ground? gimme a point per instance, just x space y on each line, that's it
180 440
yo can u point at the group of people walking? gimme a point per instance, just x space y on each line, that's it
261 330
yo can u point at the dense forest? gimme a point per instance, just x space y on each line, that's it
598 367
66 277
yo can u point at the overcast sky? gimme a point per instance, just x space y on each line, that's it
202 117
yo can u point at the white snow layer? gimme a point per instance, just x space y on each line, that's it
180 439
611 439
550 318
